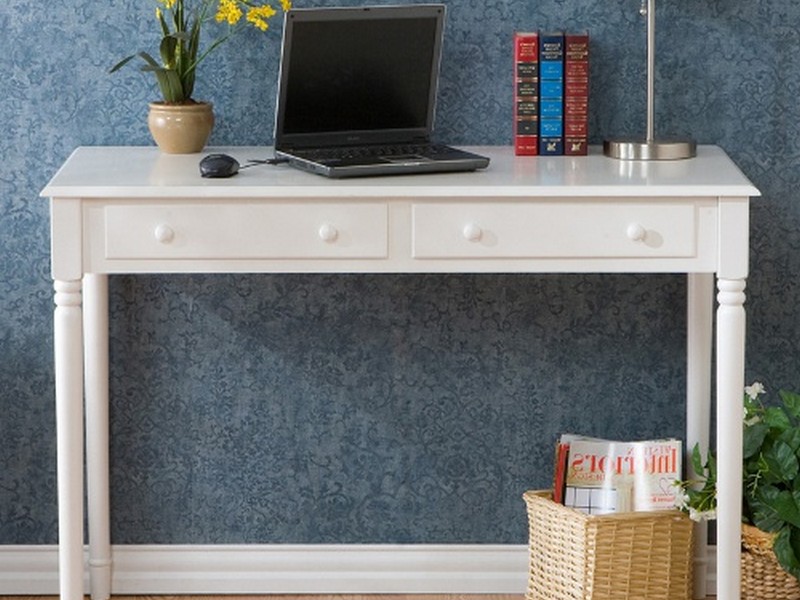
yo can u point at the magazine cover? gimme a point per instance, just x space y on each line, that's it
606 476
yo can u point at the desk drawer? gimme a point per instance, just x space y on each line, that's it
246 231
555 229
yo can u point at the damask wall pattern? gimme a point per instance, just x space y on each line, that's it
376 408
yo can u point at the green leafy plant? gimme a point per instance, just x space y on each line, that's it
180 23
699 498
771 474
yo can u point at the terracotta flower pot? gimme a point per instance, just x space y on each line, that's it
180 128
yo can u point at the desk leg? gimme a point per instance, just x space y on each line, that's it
700 303
95 311
69 432
730 391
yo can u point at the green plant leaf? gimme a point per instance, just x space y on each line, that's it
782 461
786 507
163 22
751 407
776 417
170 85
760 501
791 400
791 437
122 63
188 84
194 39
168 82
772 508
786 547
149 60
754 437
764 517
167 50
697 460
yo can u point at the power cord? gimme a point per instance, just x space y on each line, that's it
253 162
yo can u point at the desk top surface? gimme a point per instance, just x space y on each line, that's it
145 172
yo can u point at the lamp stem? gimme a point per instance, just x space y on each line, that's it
651 69
650 148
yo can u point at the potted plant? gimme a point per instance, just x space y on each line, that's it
770 494
178 123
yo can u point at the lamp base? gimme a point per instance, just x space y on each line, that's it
639 149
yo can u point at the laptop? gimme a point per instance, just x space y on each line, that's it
357 92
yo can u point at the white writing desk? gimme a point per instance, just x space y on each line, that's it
135 210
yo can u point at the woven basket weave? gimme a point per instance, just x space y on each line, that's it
762 576
607 557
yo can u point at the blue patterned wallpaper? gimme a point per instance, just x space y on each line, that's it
373 408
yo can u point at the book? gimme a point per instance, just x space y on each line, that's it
526 94
551 93
576 93
608 476
560 472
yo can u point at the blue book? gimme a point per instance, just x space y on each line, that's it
551 93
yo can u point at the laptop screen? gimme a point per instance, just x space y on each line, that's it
353 75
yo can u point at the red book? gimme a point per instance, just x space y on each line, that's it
576 93
526 94
560 472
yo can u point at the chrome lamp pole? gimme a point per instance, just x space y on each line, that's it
650 148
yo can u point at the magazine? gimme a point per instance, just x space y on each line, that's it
599 476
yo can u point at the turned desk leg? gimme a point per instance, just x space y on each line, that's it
730 391
700 302
69 432
95 292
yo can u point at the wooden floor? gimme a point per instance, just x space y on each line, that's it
309 597
305 597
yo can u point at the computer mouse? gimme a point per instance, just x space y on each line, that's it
219 165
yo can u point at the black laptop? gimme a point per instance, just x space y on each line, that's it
357 92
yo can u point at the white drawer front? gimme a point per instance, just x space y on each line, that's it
555 229
246 231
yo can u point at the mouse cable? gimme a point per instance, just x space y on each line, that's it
252 162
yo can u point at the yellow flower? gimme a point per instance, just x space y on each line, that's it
168 3
228 11
286 5
258 16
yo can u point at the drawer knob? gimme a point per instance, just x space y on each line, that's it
473 233
636 232
164 233
328 233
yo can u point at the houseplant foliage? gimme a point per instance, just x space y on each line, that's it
771 474
180 23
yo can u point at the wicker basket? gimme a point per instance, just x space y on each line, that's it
762 576
607 557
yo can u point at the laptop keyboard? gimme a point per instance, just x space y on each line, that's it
354 152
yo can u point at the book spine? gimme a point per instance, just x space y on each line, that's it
551 93
526 94
576 94
560 472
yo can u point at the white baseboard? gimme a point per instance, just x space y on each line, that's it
290 569
284 569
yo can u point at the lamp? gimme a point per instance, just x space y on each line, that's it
650 148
